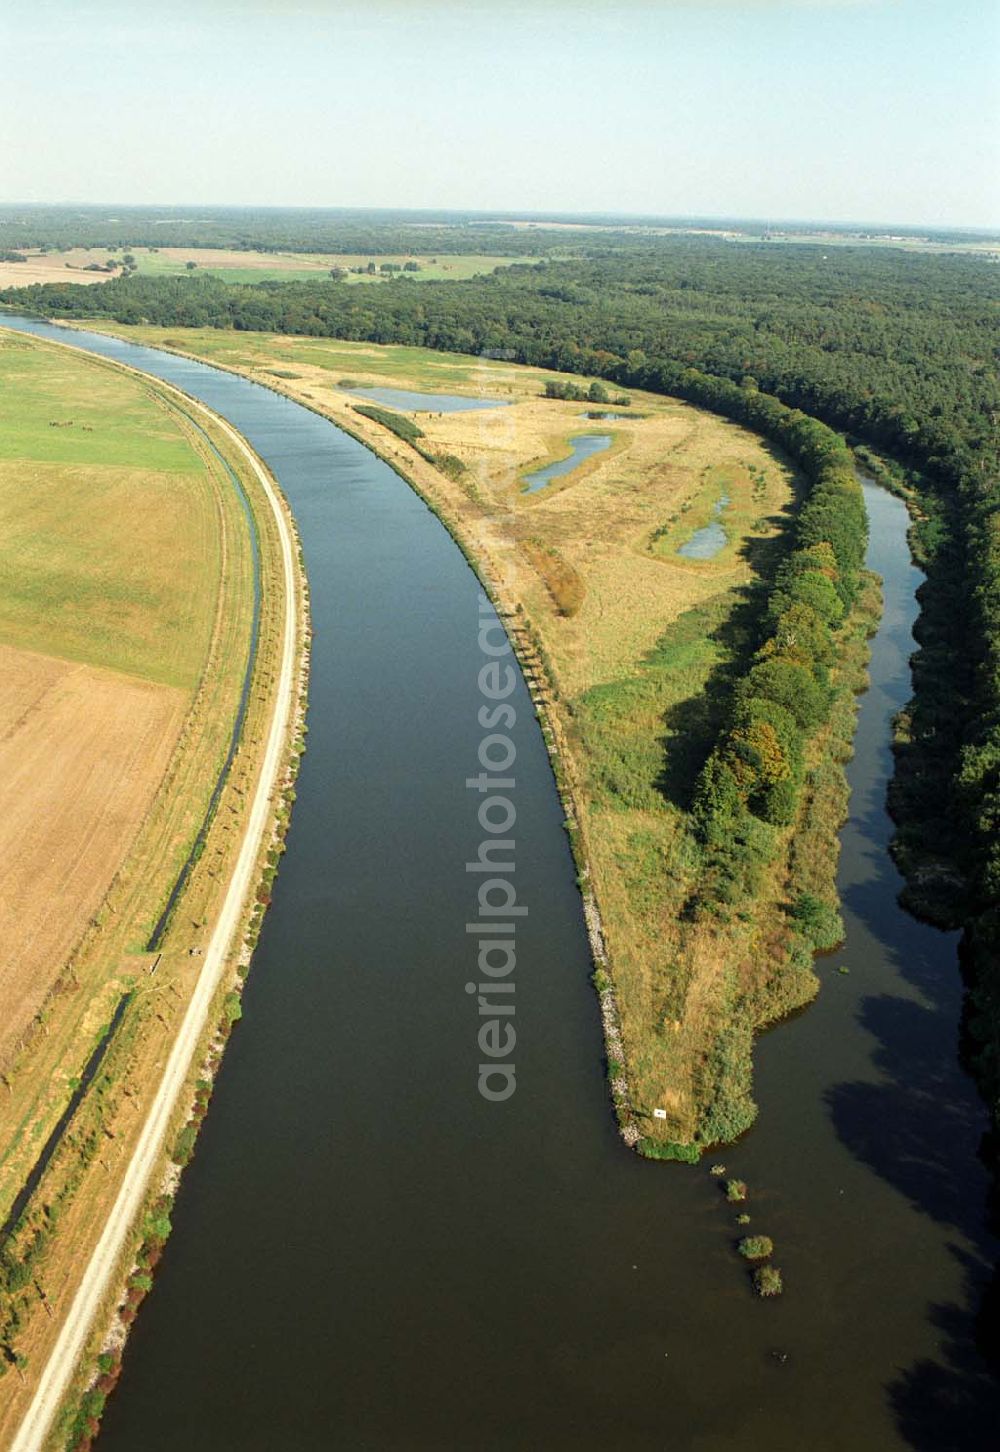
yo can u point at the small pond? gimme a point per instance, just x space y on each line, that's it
410 402
584 446
706 543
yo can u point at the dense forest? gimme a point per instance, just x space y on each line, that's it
264 229
896 350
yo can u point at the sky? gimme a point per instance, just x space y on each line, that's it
875 111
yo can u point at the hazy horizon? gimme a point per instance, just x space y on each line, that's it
850 112
582 217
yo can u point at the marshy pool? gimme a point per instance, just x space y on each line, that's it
706 543
584 446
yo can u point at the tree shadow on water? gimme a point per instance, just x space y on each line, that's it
920 1128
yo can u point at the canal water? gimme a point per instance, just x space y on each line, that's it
369 1255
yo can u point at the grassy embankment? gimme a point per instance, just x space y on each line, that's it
128 561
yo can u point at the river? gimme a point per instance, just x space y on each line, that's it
367 1254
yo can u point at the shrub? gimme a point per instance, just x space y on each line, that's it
756 1247
657 1149
767 1281
184 1148
778 803
792 685
818 921
736 1191
404 428
449 464
158 1227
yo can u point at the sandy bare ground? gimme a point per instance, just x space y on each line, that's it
82 753
104 1260
44 269
72 266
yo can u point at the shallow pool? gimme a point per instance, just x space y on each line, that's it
410 402
584 446
706 543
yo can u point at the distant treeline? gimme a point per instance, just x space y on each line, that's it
279 229
382 230
896 349
899 348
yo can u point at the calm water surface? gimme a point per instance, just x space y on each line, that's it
410 402
584 446
367 1255
706 543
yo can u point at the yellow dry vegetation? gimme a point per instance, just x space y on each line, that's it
600 521
593 534
81 752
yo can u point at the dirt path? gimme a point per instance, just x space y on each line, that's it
105 1258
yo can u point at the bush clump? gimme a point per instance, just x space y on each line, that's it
756 1247
818 921
767 1281
404 428
658 1149
736 1191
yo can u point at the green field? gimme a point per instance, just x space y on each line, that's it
109 542
237 266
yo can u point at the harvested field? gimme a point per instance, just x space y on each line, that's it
82 752
87 265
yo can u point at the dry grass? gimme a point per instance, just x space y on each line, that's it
82 752
601 519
